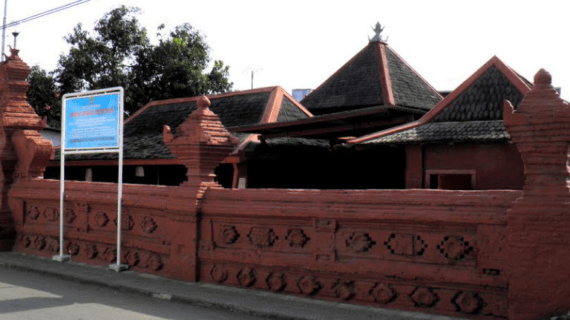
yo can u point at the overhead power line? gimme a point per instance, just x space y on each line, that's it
45 13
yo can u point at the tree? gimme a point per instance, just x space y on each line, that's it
120 54
176 67
43 95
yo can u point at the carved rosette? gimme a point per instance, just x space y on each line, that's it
219 274
345 290
468 302
383 293
70 215
132 258
52 244
90 250
25 241
229 234
154 262
296 238
360 242
424 297
246 277
308 285
276 282
39 242
101 219
33 213
72 248
110 254
454 248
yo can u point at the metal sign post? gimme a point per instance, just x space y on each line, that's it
92 122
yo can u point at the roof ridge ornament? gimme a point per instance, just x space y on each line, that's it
378 30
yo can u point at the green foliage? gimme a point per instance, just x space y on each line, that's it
120 54
43 96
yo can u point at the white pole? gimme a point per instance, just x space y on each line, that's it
118 266
120 183
62 257
4 28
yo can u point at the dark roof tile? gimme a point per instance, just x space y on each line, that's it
483 100
408 88
289 111
437 132
355 85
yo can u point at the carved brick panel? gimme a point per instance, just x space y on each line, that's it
453 300
271 236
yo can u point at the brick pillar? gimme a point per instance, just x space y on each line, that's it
538 224
200 143
24 153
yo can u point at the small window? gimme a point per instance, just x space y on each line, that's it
450 179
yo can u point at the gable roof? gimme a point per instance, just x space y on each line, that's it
375 76
143 131
472 112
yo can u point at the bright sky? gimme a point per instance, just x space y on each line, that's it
299 44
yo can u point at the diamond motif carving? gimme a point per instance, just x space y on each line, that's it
101 219
405 244
127 222
51 214
148 225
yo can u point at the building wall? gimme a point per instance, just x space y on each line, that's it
494 165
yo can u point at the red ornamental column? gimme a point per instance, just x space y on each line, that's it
201 142
538 224
24 153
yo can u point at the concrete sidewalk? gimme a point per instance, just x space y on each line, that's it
255 302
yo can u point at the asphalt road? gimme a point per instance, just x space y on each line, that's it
29 295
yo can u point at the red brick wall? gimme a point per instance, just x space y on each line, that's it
423 250
496 165
159 225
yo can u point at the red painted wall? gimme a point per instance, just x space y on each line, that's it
497 165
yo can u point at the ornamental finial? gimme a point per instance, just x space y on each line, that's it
378 30
203 103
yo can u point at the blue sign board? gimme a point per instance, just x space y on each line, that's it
92 122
